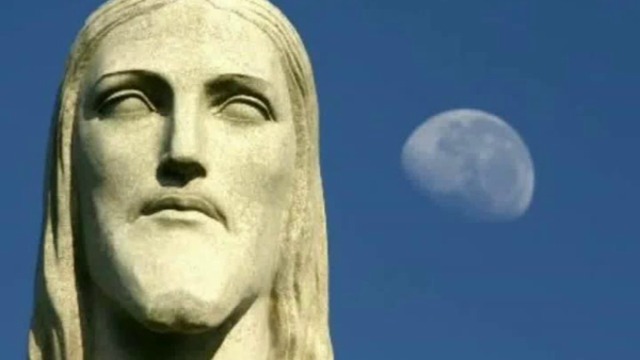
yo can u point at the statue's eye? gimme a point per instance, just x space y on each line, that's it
245 108
126 103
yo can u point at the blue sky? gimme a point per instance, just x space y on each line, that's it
409 281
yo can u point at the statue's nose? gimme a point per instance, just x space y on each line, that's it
182 160
183 133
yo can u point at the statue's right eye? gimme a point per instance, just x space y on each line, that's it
126 103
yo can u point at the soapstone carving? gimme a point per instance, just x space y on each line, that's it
184 212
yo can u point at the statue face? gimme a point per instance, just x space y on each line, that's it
184 154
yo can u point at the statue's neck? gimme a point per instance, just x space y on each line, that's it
118 336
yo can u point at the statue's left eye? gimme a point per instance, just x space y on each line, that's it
126 103
245 108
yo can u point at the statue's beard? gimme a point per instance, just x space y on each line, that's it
179 311
176 310
176 285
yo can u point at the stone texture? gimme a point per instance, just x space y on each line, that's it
185 215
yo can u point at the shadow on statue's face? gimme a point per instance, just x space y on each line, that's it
184 154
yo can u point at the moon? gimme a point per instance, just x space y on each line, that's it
471 162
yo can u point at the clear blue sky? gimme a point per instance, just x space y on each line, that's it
407 280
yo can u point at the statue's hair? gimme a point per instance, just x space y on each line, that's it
299 319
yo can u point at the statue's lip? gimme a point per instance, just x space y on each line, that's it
183 202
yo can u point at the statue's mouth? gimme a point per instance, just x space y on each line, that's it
183 203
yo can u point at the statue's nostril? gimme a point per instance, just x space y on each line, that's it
173 172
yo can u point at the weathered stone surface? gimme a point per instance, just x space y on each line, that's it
185 215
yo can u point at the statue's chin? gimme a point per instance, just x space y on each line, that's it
181 312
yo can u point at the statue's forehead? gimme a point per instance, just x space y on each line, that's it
189 36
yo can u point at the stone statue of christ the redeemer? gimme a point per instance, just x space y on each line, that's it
184 214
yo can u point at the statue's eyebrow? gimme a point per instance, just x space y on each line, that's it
128 74
233 80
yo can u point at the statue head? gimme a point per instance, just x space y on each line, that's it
183 178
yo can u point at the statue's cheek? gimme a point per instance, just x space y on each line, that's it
261 161
115 146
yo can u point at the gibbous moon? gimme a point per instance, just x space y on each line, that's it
471 162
